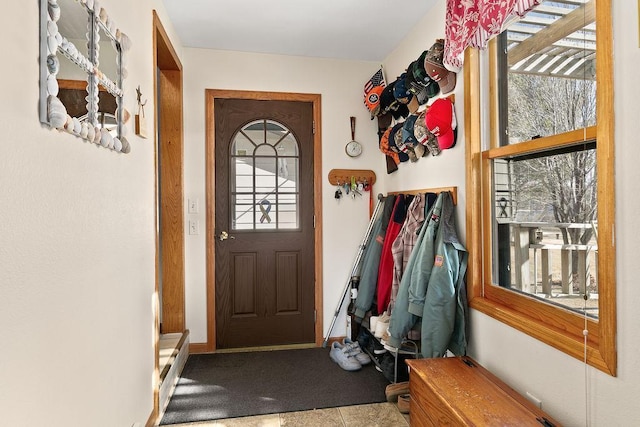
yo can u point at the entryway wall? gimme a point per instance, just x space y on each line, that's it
549 374
340 85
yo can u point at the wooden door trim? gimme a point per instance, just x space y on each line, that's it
166 59
210 96
172 182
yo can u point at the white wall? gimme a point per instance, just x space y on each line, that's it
77 247
448 168
340 84
524 363
77 237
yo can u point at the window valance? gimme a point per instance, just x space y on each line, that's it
475 22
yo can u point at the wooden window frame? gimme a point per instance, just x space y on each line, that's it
555 326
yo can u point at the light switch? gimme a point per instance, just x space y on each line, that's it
194 226
193 206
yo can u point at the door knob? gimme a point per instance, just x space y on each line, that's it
224 236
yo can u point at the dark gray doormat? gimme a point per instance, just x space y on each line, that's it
215 386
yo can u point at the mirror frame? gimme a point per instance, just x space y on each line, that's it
52 43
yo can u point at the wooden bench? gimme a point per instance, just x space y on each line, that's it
457 391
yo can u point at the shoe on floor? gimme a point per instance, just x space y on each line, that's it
343 358
404 403
394 390
355 350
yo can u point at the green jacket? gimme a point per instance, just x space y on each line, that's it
371 260
444 311
436 290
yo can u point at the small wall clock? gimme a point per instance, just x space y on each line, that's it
353 147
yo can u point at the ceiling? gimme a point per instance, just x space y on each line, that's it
365 30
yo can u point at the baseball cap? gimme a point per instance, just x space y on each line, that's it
424 137
434 67
423 78
400 111
407 130
440 119
400 90
385 146
408 142
387 100
372 100
395 142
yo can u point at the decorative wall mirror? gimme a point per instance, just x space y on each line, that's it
82 68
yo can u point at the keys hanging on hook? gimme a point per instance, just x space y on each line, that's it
354 187
338 193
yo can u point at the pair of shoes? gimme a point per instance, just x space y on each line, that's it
404 403
382 325
387 365
354 349
343 358
394 390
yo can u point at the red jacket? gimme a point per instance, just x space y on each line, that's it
385 268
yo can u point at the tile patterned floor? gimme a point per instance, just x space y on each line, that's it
372 415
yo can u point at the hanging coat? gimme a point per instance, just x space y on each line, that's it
385 269
402 320
405 242
371 260
444 309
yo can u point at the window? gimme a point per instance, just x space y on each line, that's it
541 180
264 177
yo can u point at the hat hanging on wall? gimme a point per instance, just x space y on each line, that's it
440 119
434 67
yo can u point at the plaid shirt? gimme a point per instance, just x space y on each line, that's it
404 243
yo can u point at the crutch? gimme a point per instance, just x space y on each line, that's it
355 268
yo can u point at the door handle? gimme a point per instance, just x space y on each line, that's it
224 236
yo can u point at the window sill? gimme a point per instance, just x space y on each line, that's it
569 343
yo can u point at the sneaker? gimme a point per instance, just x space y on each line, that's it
382 325
373 321
354 349
376 347
340 355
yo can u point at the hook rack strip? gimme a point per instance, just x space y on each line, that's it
452 190
342 176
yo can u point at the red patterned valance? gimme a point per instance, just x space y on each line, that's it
475 22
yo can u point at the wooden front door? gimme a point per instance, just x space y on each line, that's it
264 236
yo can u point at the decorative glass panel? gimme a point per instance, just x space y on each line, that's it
264 177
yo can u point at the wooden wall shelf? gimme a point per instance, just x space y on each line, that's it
342 176
452 190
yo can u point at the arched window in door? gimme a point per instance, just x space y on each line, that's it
263 177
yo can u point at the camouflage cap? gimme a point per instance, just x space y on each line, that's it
436 70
